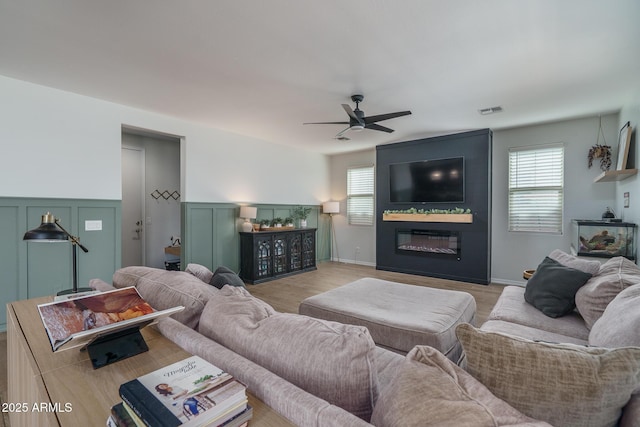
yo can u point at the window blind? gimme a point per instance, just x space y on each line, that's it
536 184
360 192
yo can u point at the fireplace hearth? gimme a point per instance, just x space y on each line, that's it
428 243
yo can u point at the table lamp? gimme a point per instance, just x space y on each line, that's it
248 213
50 230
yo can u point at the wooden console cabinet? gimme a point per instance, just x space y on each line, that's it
267 255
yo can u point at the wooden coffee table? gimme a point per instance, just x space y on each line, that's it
63 389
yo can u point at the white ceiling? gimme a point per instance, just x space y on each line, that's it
262 68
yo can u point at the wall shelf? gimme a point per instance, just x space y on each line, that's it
458 218
618 175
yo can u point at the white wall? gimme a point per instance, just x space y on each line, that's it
630 113
513 252
350 237
63 145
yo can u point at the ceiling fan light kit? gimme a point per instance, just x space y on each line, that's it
358 121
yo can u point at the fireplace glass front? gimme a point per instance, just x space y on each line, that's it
443 243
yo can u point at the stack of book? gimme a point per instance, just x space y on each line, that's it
189 393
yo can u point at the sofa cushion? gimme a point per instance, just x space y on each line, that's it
199 271
562 384
552 288
328 359
430 390
225 276
529 333
588 266
511 307
164 289
614 276
619 325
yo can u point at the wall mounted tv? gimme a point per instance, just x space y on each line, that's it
427 181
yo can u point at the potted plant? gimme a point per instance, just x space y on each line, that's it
288 222
301 213
276 222
264 224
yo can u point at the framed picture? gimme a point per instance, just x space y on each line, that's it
623 146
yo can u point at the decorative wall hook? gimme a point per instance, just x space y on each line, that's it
156 194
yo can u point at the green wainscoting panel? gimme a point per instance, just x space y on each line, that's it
210 232
104 255
197 231
33 269
10 257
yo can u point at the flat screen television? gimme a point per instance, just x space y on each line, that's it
427 181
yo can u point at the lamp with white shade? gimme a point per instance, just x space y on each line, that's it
332 208
248 213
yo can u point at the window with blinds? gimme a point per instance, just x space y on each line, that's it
536 183
360 184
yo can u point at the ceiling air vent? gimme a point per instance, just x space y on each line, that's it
490 110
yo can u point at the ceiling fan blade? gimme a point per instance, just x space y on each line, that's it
339 134
381 117
351 114
375 126
327 123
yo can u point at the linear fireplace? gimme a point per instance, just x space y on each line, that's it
444 243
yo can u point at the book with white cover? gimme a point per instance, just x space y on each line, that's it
191 392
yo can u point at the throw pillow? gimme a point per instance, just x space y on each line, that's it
619 325
562 384
225 276
615 275
330 360
164 289
552 288
200 271
588 266
430 390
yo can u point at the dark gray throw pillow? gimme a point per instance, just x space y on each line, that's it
225 276
552 288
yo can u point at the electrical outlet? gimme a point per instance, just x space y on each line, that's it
626 199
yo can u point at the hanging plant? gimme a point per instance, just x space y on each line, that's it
602 152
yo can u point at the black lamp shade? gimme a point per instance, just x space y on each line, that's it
47 231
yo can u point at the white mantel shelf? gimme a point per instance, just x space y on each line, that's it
459 218
618 175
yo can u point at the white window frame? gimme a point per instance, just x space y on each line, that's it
536 189
361 195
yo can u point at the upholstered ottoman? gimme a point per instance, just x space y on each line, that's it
398 316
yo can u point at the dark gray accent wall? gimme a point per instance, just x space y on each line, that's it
474 264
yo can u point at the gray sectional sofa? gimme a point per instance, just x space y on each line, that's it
322 373
606 314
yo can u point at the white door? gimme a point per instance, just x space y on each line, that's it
132 206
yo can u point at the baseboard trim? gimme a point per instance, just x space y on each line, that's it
353 261
498 281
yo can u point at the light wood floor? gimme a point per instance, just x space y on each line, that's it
286 294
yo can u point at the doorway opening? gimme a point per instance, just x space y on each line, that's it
150 221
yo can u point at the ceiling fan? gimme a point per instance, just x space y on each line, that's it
358 121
